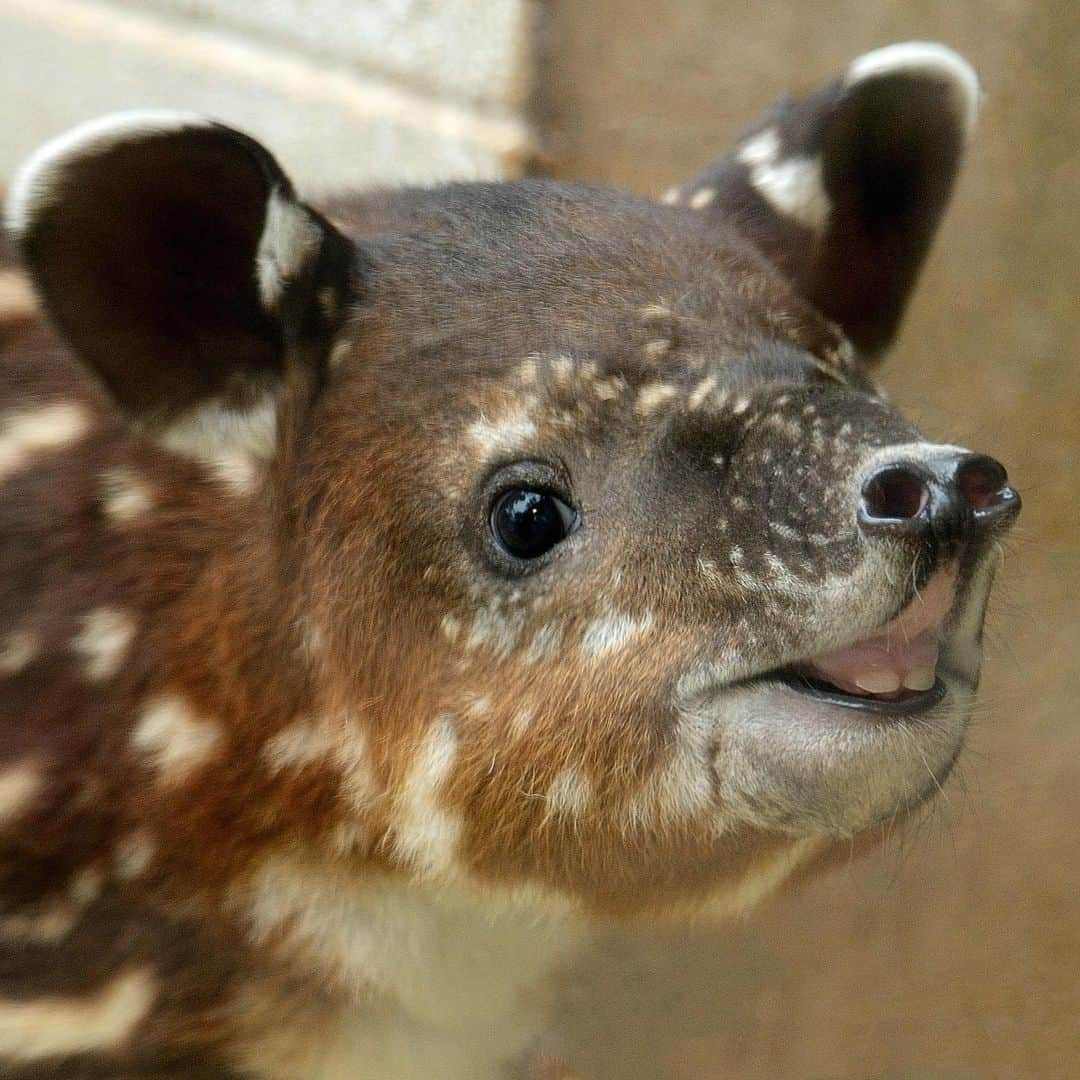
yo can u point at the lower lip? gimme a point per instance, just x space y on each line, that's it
911 704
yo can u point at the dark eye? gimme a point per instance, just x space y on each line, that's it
530 523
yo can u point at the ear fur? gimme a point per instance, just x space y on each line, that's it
172 253
843 190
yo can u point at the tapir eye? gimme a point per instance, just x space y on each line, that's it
528 523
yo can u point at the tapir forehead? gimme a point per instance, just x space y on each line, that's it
480 277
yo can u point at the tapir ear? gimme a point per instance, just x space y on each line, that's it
843 189
174 256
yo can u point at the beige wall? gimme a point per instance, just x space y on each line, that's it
347 92
954 952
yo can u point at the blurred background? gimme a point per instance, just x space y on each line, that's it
953 951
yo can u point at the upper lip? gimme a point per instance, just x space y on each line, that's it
891 669
901 655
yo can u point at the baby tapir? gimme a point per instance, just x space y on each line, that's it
390 590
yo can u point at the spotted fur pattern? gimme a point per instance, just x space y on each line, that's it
299 775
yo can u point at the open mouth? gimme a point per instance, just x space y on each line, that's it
892 671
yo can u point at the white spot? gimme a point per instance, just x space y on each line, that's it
27 432
476 706
425 834
20 785
520 721
701 392
739 406
609 389
17 298
290 241
658 310
239 473
298 746
761 149
46 1026
671 196
125 495
702 197
785 426
17 650
612 632
568 794
174 738
502 436
929 58
35 185
776 565
451 628
528 370
232 442
562 367
656 348
794 186
103 641
133 855
312 639
786 531
86 886
544 643
351 759
47 925
50 922
652 396
494 630
340 352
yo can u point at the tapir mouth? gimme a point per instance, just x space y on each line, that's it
892 670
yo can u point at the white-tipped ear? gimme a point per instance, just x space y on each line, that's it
844 188
290 237
39 178
928 59
175 257
289 243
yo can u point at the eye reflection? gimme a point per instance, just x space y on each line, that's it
529 523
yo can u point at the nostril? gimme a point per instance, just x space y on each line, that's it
948 497
983 482
897 493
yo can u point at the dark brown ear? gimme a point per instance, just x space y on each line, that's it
174 256
844 189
